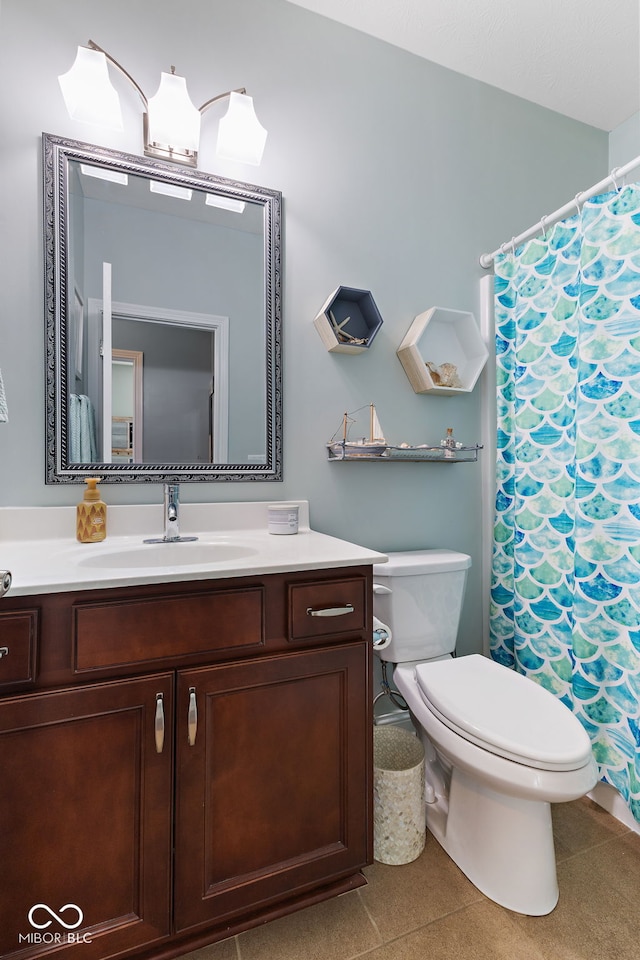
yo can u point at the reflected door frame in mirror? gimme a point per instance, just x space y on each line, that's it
62 340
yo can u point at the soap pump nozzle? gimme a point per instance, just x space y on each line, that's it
92 493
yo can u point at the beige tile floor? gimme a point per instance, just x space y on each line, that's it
428 910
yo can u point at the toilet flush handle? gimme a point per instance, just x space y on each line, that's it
381 591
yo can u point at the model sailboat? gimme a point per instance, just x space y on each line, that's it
374 445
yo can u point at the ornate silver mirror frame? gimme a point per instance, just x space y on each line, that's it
60 158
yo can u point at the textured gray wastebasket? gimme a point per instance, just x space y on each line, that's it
399 829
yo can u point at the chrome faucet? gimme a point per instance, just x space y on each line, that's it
171 508
171 517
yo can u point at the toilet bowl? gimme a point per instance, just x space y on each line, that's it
491 790
499 748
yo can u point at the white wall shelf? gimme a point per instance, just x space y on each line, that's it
440 337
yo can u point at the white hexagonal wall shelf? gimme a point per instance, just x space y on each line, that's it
443 352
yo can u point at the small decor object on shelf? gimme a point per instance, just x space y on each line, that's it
348 321
446 375
443 352
374 445
341 333
450 445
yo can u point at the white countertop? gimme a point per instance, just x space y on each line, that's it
39 548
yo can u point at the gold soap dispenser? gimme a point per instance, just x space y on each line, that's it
91 514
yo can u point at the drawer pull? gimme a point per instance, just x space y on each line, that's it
4 652
330 611
159 724
192 717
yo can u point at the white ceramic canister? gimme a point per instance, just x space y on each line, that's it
283 518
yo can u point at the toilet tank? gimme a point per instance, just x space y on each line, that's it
418 594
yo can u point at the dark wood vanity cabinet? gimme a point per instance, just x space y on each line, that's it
85 807
191 759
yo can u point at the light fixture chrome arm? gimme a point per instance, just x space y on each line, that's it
94 46
221 96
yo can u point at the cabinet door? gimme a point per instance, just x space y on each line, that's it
85 815
273 781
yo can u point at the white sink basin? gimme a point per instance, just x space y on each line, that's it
146 555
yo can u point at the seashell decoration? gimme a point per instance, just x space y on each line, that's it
446 375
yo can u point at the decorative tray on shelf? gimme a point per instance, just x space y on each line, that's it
341 450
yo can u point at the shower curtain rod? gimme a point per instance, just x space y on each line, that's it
487 259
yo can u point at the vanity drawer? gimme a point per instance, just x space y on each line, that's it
326 609
147 629
18 640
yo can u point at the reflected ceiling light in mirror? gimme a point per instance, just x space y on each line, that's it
171 123
102 173
170 190
88 93
224 203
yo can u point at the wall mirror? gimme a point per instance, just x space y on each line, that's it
163 320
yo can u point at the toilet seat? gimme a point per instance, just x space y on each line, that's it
503 712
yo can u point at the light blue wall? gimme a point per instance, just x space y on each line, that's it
396 174
624 145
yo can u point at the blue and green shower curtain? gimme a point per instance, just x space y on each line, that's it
566 560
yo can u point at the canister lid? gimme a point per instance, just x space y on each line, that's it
413 563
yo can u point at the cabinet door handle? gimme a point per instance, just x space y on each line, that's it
159 724
192 717
330 611
4 652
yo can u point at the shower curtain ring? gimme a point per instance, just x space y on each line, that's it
513 247
544 229
612 177
576 200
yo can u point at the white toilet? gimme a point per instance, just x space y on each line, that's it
499 748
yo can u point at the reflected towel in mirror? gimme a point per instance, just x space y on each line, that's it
4 412
83 447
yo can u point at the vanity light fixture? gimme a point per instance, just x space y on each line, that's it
171 123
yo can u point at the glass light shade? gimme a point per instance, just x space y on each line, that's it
88 93
240 134
173 119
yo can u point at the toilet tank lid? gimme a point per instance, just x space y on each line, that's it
412 563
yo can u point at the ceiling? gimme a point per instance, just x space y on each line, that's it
578 57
